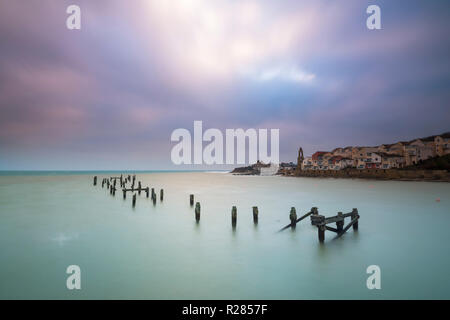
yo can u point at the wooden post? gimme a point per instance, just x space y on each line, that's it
321 233
197 211
293 217
95 180
161 195
255 215
147 191
121 181
233 216
154 199
191 199
103 183
124 194
139 186
340 224
355 216
134 200
315 212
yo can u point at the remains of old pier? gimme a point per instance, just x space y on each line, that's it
320 221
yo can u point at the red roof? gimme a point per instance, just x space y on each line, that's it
317 154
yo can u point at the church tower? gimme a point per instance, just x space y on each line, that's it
300 159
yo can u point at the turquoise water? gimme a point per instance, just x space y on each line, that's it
50 221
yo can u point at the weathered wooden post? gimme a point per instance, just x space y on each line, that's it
355 216
315 212
321 233
197 211
340 224
233 216
103 183
153 193
161 195
191 199
134 200
319 221
139 186
121 181
124 194
147 191
255 215
154 198
95 180
107 183
293 217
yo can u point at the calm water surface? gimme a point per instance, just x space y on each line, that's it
50 221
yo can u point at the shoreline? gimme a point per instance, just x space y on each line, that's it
375 174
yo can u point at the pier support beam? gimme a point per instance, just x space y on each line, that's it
340 224
293 217
134 200
191 199
161 195
197 211
255 215
314 212
95 180
321 230
355 216
233 216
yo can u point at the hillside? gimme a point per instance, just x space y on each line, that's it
435 163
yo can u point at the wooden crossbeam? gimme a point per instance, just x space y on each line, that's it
297 221
351 223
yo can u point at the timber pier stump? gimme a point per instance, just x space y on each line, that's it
191 199
293 217
233 216
134 200
161 195
95 180
197 211
255 215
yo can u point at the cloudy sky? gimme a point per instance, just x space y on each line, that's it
108 96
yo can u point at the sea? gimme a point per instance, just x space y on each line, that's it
52 220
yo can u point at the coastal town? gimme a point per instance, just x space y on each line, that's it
419 159
386 156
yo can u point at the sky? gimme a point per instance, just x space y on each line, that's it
109 96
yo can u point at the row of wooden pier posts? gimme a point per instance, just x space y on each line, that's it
320 221
112 182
